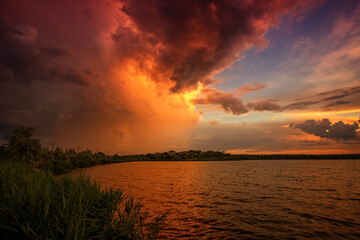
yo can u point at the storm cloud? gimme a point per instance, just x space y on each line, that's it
111 74
23 59
326 129
190 41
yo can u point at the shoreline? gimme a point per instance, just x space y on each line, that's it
35 204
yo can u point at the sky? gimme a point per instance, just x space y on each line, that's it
139 76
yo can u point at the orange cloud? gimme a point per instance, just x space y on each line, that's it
205 40
122 76
251 87
132 115
213 122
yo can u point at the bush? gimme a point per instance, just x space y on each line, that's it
58 167
23 146
36 205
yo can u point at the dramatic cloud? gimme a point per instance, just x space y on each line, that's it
264 105
232 103
228 101
24 60
190 41
97 74
325 129
63 73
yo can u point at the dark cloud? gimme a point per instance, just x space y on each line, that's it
341 93
44 45
326 96
24 60
54 52
337 103
325 129
228 101
264 105
300 105
192 40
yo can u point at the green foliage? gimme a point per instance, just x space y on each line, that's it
60 162
36 205
22 146
58 167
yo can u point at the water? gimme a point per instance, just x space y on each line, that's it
259 199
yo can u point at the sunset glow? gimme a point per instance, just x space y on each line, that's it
139 76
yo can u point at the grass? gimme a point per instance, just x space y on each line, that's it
34 204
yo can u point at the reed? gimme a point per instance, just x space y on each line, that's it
34 204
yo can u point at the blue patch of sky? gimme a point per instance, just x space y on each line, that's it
250 117
258 66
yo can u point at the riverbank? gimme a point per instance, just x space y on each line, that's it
35 204
23 147
81 160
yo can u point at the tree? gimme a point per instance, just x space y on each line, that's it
22 145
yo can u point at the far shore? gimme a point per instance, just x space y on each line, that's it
60 162
220 157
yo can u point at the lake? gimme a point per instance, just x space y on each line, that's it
254 199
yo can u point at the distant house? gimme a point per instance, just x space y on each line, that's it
172 152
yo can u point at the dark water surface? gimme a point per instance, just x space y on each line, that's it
258 199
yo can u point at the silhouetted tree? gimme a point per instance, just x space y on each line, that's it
22 145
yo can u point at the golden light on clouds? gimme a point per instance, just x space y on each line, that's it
320 114
129 76
188 96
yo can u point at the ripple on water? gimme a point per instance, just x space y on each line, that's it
246 199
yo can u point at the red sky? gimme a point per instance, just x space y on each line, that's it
145 76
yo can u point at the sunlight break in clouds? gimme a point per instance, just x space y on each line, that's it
140 76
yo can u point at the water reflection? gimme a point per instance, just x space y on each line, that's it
245 199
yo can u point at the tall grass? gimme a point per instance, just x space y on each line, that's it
36 205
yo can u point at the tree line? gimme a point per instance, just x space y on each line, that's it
22 146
